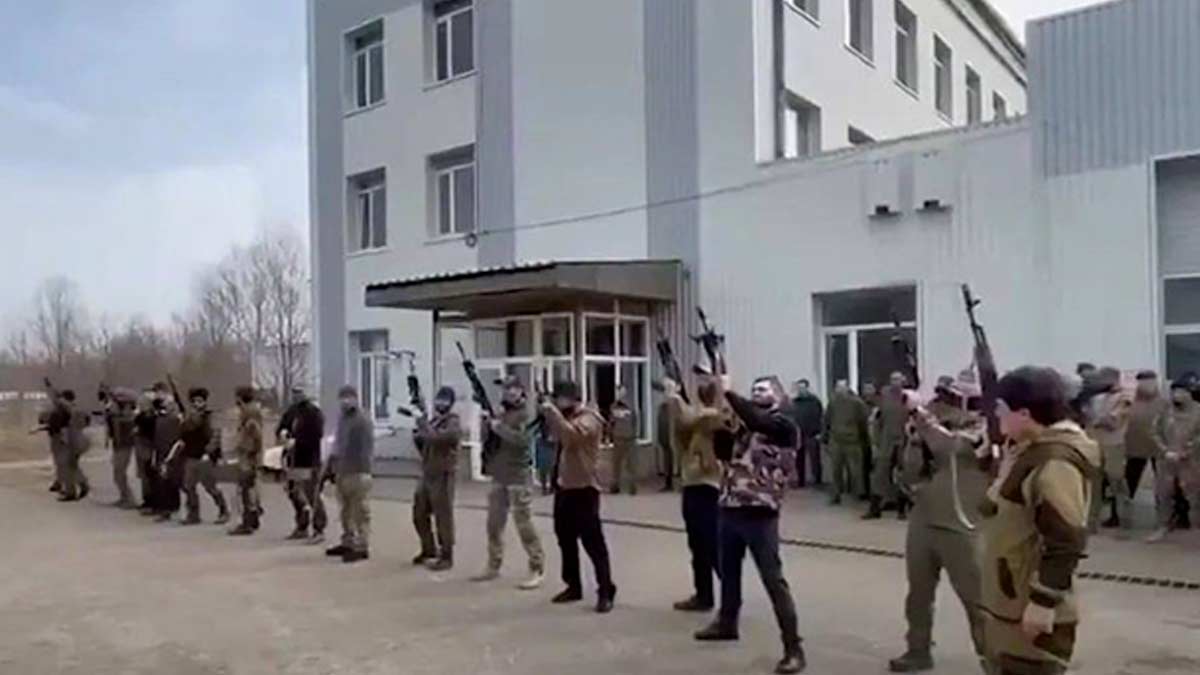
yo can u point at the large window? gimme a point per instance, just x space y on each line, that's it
365 47
373 371
859 25
906 46
454 38
999 107
943 79
1181 316
368 211
857 329
616 357
453 175
974 97
801 128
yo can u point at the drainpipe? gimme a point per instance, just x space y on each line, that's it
777 68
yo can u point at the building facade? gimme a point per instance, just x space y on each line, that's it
555 184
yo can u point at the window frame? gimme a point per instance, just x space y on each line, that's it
943 78
810 9
369 184
974 94
377 361
805 119
1002 108
617 359
447 20
865 51
353 53
452 171
901 34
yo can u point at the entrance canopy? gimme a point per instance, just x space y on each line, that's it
530 287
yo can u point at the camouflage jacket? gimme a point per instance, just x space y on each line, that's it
755 472
249 443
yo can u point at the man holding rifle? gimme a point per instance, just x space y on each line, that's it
201 448
437 439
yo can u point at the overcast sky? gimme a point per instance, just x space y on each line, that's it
139 138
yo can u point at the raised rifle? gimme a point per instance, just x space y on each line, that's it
490 441
175 394
670 365
416 399
904 354
989 379
712 342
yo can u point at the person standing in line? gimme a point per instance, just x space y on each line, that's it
511 487
200 445
889 441
350 463
752 487
169 481
847 437
249 447
69 441
438 439
623 431
664 439
809 416
1109 417
1035 527
144 422
579 430
940 465
119 419
54 420
870 396
1142 443
698 426
1179 433
301 429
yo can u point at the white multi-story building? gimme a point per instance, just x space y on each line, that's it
555 183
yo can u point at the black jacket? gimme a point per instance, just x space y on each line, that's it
809 415
306 423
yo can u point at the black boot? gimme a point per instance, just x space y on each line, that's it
873 512
422 557
604 603
717 631
694 604
567 595
793 662
913 661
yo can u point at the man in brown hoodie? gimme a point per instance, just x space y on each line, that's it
1142 445
1035 527
579 430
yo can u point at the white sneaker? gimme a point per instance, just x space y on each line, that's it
1157 536
534 581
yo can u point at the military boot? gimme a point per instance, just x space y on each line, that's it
222 517
241 530
913 661
793 662
192 519
717 631
873 512
442 563
297 535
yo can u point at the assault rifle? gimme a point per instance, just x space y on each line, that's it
175 394
480 395
670 365
904 354
712 343
986 363
415 398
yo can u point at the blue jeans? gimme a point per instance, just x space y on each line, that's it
757 530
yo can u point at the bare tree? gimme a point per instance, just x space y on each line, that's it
58 322
282 265
18 352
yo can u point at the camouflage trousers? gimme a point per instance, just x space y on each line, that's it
121 458
519 500
354 493
1185 473
306 501
201 472
624 466
67 469
248 496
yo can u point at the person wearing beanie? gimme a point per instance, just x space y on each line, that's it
437 439
579 430
350 461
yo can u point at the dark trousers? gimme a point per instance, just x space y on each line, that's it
1134 468
757 530
577 520
700 515
668 458
868 462
150 478
809 453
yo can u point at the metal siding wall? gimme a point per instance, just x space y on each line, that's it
1178 185
672 151
494 135
1115 84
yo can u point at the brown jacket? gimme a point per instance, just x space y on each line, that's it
438 440
1141 438
697 460
579 446
249 444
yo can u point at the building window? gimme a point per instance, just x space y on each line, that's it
801 128
368 211
943 69
857 328
858 137
373 371
616 357
366 58
809 7
974 97
999 107
453 176
454 38
859 24
1181 316
906 46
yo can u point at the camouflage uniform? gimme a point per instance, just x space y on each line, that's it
76 444
249 447
889 442
201 449
119 417
438 440
847 437
512 490
622 429
1179 431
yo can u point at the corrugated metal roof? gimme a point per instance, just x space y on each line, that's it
469 273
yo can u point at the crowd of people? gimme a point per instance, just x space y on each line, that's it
1008 523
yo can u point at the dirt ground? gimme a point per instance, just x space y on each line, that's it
89 589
